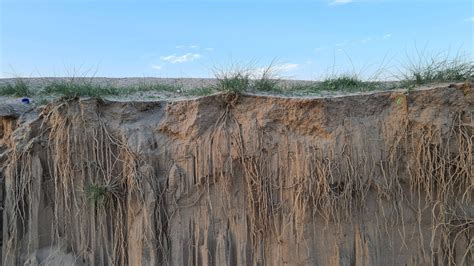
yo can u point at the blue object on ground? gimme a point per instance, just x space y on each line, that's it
25 100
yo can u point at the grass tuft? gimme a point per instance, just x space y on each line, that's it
100 194
72 89
19 89
268 81
96 193
435 69
344 82
234 81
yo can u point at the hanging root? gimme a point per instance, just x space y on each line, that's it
421 168
90 176
96 182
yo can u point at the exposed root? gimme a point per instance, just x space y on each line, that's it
82 152
417 171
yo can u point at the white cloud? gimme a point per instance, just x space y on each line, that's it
180 58
471 19
340 2
194 46
209 49
386 36
180 46
157 67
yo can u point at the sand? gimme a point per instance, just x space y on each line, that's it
384 178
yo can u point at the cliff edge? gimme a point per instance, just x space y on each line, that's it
384 178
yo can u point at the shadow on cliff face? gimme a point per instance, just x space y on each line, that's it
230 179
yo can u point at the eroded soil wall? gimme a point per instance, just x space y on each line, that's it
380 179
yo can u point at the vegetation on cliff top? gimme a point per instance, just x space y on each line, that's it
240 80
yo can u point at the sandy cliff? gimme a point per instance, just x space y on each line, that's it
378 179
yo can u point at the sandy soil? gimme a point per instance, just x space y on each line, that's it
379 179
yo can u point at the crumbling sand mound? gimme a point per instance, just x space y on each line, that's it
377 179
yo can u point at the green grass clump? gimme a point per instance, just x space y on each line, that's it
236 81
344 83
18 89
268 81
100 194
72 89
434 70
265 84
96 193
268 85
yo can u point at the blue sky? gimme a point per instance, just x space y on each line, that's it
306 39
